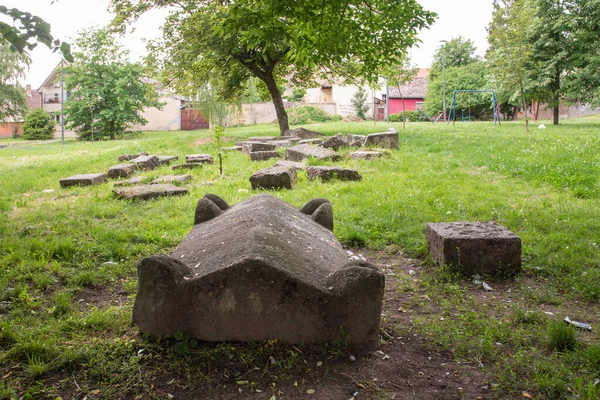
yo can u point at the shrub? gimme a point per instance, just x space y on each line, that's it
38 125
410 116
307 115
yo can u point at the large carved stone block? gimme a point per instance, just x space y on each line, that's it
261 269
475 247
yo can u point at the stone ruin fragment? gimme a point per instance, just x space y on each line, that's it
260 269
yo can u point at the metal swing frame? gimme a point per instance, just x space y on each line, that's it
494 104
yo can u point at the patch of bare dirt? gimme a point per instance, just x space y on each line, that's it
100 296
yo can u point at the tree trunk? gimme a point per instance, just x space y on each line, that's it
524 106
112 130
556 98
282 117
403 109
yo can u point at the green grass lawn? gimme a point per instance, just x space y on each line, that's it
54 243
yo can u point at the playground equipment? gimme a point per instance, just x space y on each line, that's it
423 116
468 117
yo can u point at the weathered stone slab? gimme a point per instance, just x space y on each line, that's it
356 140
146 192
172 179
475 247
263 155
329 173
303 133
365 155
199 159
274 178
260 269
335 142
290 164
122 170
233 148
263 138
129 157
292 139
386 140
251 147
166 160
187 166
137 180
146 162
281 143
304 151
311 141
83 180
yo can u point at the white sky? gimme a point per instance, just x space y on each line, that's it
468 18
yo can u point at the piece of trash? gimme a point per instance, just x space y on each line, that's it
272 360
411 272
310 391
479 282
386 357
542 126
241 382
319 363
48 191
352 358
579 325
527 395
549 313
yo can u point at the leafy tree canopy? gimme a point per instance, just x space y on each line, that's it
229 41
467 77
13 66
509 52
458 52
27 30
107 92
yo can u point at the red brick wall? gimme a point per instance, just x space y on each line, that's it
6 128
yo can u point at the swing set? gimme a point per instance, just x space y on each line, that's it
466 116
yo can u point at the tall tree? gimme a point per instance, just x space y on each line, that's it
227 42
13 66
551 50
108 93
509 52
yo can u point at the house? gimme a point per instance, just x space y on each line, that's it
12 128
413 93
339 97
166 119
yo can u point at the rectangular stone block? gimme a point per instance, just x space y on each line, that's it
251 147
166 160
386 140
83 180
475 247
274 178
147 192
122 170
263 155
199 158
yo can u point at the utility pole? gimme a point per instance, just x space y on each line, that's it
62 100
444 77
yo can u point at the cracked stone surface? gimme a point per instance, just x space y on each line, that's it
260 269
199 159
172 178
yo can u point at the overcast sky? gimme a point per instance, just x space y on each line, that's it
468 18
